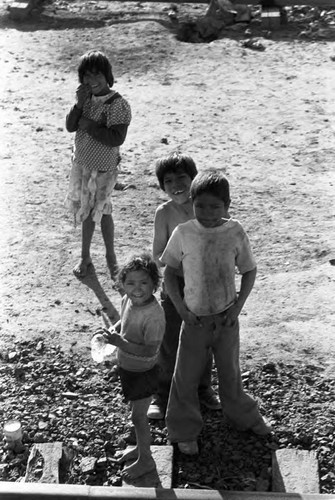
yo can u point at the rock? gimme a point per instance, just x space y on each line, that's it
43 463
87 465
40 437
40 346
101 463
43 425
269 367
3 469
70 395
262 484
298 398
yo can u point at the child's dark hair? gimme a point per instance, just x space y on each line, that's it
212 182
143 262
94 60
173 163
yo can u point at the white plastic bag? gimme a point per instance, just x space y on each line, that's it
102 351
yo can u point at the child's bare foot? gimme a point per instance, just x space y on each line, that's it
128 455
80 269
139 468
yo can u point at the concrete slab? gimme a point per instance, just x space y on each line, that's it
295 471
48 455
162 476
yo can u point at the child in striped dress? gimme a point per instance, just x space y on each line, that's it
100 118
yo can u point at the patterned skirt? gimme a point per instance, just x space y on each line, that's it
90 192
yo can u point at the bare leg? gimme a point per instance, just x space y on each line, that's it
129 455
107 229
88 226
144 463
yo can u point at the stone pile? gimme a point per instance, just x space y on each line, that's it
64 397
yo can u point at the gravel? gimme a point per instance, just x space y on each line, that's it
62 396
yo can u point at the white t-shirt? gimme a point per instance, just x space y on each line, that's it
209 257
143 325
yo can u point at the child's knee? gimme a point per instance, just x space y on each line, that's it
139 410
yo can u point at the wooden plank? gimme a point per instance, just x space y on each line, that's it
37 491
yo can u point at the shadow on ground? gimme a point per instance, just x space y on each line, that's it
92 282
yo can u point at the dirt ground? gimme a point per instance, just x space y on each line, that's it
266 118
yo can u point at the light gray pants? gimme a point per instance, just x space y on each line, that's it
183 419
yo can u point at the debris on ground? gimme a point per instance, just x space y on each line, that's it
67 398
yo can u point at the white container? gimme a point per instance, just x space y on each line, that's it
12 432
102 351
271 18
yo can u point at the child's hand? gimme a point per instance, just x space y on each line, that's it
230 315
84 123
113 337
98 331
82 93
190 318
107 334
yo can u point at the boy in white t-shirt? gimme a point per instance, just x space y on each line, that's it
175 173
209 248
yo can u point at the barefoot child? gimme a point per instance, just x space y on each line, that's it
208 248
175 173
100 119
138 335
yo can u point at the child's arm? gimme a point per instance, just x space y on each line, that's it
111 130
247 283
109 136
73 117
161 235
172 288
117 326
142 350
